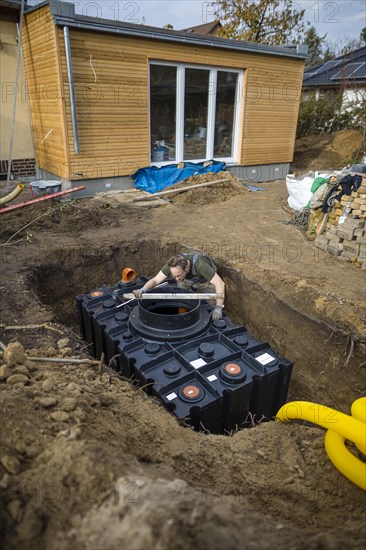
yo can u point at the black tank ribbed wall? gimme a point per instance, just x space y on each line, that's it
213 375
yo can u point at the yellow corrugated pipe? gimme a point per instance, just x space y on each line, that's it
339 427
19 188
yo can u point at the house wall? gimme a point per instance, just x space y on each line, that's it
112 99
46 97
22 151
353 97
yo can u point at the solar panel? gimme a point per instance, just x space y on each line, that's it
360 72
347 71
324 68
329 65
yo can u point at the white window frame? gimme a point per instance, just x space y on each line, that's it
211 112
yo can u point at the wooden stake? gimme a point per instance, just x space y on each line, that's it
30 327
64 360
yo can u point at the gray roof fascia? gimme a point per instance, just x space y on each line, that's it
64 15
29 9
13 4
100 27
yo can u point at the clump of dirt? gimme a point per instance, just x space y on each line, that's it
328 151
219 192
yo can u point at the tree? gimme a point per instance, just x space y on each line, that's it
341 46
265 21
314 43
363 34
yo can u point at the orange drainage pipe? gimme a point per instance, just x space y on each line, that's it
40 199
128 274
13 195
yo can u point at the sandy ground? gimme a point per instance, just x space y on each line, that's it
88 461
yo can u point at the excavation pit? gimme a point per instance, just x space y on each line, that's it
319 354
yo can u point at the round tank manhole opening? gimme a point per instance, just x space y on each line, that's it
171 309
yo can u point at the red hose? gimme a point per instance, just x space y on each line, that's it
46 197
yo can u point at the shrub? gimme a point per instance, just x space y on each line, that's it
326 114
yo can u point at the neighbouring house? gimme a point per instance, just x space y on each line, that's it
209 29
23 158
109 97
346 74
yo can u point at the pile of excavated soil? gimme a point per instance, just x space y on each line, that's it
218 192
328 151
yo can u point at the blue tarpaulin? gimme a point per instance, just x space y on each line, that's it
153 179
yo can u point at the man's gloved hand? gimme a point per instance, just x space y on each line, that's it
138 293
217 313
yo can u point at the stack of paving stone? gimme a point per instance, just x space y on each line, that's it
345 237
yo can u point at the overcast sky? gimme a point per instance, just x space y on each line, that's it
338 19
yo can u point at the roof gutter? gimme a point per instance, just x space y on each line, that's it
99 27
71 88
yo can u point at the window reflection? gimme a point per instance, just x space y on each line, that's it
163 91
225 110
208 127
195 113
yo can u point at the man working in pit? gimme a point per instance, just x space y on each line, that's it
190 271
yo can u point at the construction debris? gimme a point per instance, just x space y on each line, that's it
345 233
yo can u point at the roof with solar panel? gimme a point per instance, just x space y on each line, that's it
349 68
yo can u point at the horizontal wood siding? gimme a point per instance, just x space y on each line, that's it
112 99
272 99
111 105
45 92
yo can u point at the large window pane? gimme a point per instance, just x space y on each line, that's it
225 110
163 91
195 113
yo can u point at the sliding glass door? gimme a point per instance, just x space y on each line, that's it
163 102
194 113
226 85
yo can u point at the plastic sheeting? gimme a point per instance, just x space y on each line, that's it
153 179
299 189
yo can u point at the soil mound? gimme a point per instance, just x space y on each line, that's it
218 192
328 151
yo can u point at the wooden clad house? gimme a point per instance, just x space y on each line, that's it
109 97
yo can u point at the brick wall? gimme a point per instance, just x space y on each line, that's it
347 240
24 168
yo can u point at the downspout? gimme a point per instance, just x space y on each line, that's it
71 88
